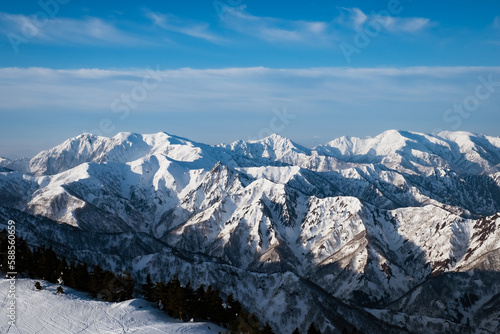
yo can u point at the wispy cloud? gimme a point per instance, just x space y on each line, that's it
496 22
356 18
105 32
85 31
491 36
275 29
316 33
174 24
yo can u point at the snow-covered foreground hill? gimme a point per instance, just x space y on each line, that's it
46 312
327 234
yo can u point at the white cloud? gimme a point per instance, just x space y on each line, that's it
277 30
96 31
101 32
85 31
237 89
410 25
317 33
394 24
356 16
496 22
174 24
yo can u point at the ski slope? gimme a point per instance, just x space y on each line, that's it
44 311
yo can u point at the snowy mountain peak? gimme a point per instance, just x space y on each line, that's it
271 149
84 148
86 136
385 143
272 138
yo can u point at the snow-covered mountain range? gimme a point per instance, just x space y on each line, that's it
396 233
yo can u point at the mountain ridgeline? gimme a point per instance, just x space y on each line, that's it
392 234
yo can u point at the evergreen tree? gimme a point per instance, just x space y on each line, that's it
160 292
296 331
96 281
190 297
41 262
82 277
147 289
48 264
24 257
175 305
214 304
245 323
312 329
71 275
35 262
61 268
233 308
200 305
267 329
128 287
110 290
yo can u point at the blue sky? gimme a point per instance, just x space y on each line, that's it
217 71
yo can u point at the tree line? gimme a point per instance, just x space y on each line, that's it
177 301
42 262
202 303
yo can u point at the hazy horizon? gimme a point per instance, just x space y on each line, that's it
227 70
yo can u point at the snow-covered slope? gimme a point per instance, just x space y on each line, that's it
357 222
44 311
